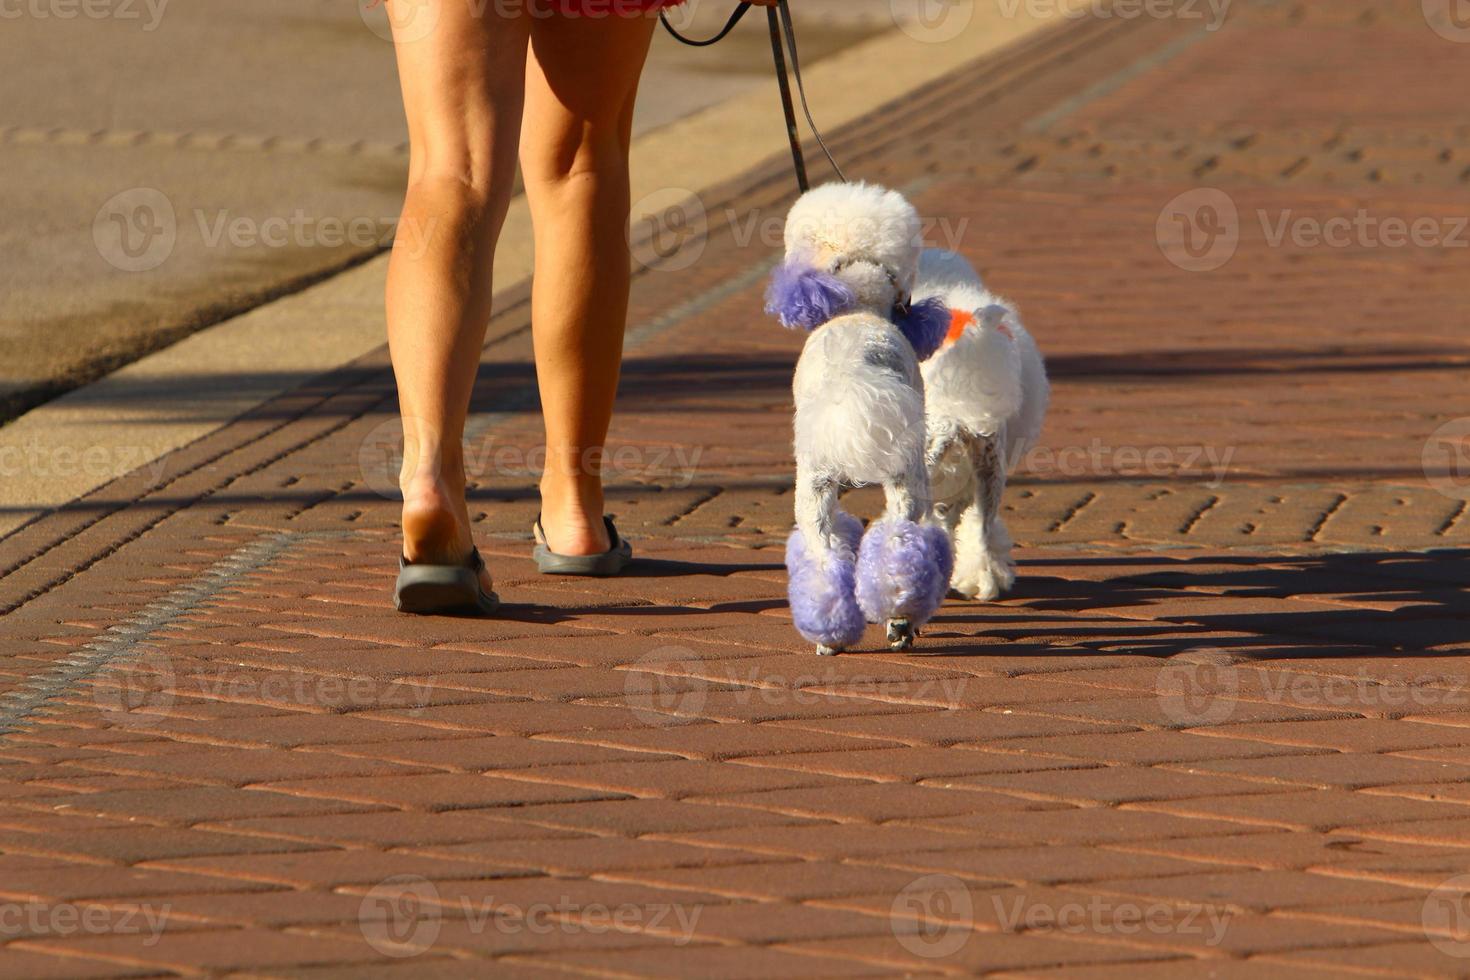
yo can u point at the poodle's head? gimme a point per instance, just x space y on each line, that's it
849 247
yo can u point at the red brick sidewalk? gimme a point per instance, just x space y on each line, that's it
1221 729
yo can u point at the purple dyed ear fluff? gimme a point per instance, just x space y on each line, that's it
804 297
925 324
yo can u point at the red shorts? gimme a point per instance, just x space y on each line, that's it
612 8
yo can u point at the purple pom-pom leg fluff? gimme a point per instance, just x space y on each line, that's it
903 571
821 587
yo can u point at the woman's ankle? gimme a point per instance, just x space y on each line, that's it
435 518
571 517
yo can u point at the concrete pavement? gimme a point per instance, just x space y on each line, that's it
170 165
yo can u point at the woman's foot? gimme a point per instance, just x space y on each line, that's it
571 519
436 528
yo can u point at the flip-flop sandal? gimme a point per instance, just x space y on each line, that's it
609 563
429 590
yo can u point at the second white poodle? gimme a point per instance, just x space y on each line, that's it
986 395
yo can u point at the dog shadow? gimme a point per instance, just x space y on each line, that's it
1333 605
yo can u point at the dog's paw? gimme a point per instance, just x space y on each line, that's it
989 578
1002 572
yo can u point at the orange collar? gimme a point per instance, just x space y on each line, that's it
960 319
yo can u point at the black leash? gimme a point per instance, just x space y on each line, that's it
735 18
783 37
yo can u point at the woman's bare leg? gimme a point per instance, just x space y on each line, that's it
463 90
581 81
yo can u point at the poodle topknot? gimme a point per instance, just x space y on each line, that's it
853 248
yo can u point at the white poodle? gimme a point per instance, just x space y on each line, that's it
852 253
986 395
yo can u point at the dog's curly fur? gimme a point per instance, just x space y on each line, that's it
986 395
852 255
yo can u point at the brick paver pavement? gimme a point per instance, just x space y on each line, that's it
1221 728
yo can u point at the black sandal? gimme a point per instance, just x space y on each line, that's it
609 563
430 590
